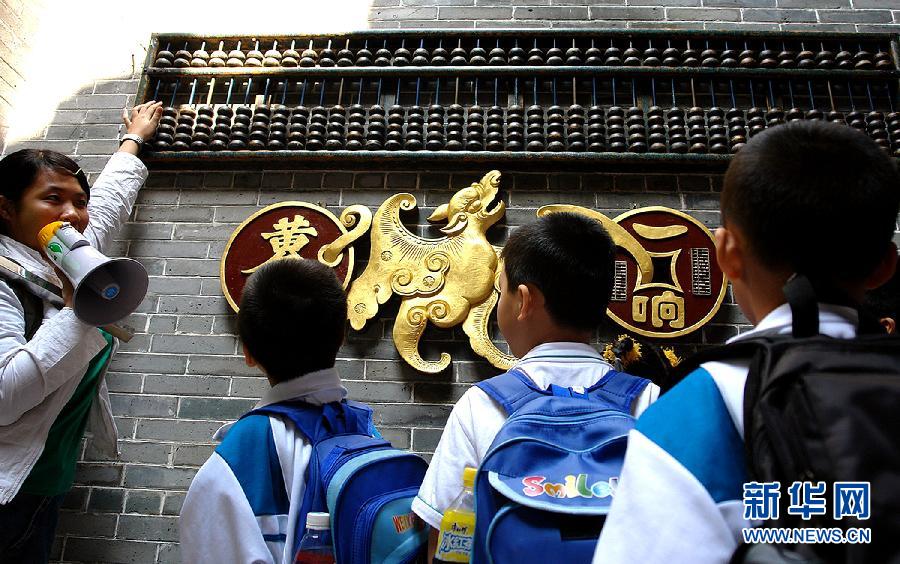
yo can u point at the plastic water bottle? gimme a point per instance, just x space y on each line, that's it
458 525
316 547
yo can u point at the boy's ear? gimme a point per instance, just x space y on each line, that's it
248 358
730 252
885 269
530 299
7 209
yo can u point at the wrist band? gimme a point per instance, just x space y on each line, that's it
133 137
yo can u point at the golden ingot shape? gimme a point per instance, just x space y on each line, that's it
446 281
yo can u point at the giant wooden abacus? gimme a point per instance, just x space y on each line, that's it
577 96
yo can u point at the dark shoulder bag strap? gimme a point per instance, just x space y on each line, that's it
33 307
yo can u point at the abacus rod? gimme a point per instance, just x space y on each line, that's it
496 93
418 89
266 91
771 95
869 94
456 90
593 87
693 91
830 95
359 93
516 86
553 85
437 92
731 91
653 90
672 84
712 93
752 94
230 89
340 92
378 92
850 97
209 94
322 89
247 92
633 93
791 93
193 91
397 97
156 90
890 99
812 99
284 90
476 91
302 93
534 97
613 87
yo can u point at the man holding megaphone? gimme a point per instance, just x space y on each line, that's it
53 352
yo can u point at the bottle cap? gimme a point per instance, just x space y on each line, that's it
469 477
318 521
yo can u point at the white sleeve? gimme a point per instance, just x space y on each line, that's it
112 197
455 451
60 350
648 395
217 525
657 498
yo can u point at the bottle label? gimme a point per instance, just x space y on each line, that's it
457 532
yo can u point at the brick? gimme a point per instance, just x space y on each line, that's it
109 550
82 132
782 16
399 438
428 13
63 146
193 305
189 180
247 180
249 387
66 117
95 101
138 476
855 16
413 415
173 286
217 180
192 455
619 13
425 440
378 391
328 180
144 452
176 249
185 385
218 409
98 474
220 366
244 198
196 324
816 4
194 214
369 181
554 13
145 527
87 524
169 554
156 231
538 199
116 87
744 4
192 267
860 4
172 504
190 344
107 500
703 14
277 180
76 498
439 392
113 116
145 502
475 371
123 382
142 406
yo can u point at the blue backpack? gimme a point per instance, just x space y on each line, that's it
361 480
546 483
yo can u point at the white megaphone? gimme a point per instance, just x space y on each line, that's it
106 289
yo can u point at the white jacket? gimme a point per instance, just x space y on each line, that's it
38 377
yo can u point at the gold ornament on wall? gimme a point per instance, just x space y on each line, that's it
444 281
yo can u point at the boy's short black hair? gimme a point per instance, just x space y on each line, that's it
569 258
292 317
815 198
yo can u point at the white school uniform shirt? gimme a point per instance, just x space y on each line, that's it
688 513
477 418
217 524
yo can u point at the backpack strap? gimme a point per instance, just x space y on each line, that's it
620 388
511 390
317 423
33 306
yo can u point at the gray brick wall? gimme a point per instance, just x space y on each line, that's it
182 376
18 22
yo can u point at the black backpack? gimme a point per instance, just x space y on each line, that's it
822 409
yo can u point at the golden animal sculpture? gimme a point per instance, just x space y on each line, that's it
446 281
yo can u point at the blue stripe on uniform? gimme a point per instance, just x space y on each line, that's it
249 450
692 423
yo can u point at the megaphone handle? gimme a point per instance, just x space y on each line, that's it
122 333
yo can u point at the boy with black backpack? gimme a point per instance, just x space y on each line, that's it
783 426
304 448
554 288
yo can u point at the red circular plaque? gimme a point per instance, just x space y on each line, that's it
283 230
